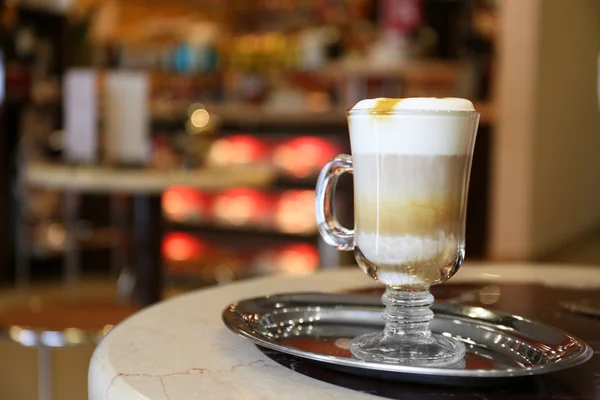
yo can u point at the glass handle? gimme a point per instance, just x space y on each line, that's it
332 232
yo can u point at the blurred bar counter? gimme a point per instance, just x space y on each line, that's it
110 180
248 209
257 90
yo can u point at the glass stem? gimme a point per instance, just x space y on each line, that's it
407 313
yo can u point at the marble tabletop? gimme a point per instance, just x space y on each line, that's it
180 349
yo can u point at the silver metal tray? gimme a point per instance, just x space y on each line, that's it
318 327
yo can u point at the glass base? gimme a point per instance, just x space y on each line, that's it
407 338
435 351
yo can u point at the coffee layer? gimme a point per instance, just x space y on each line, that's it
413 260
399 195
409 214
419 216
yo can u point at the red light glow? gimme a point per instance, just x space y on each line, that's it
234 150
303 156
240 206
179 202
177 246
298 259
296 211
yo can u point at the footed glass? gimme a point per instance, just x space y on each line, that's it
411 170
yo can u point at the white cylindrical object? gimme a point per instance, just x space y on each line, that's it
80 104
127 129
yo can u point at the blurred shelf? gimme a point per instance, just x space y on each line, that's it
98 179
253 115
197 279
222 257
244 114
437 68
53 8
263 231
286 181
97 239
247 114
213 77
197 274
187 281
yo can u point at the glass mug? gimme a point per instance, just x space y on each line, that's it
411 162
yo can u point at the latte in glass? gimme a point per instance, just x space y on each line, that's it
410 179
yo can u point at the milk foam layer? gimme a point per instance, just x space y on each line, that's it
436 127
405 249
394 256
415 104
389 277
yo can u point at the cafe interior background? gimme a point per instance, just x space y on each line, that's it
188 134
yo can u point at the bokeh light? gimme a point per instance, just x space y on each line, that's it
200 118
235 150
240 206
298 259
179 246
303 156
295 212
181 203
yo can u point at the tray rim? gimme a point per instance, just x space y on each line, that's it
584 355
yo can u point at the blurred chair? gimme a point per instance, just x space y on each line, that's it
59 324
73 318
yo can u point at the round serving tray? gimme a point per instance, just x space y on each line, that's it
319 327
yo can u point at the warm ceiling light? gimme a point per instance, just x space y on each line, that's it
200 118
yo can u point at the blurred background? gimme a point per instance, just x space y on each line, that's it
150 147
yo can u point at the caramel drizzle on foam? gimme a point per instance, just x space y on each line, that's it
384 105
